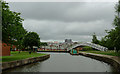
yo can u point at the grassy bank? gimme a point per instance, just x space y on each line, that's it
112 53
15 55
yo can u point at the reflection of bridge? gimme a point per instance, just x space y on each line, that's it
95 46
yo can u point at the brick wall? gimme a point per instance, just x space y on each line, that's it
0 48
5 50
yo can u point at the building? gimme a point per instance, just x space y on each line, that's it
68 40
5 49
35 48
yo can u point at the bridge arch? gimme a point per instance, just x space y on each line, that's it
95 46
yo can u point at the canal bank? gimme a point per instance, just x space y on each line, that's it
13 64
112 60
64 62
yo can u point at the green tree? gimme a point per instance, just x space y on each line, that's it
114 34
43 44
31 39
103 41
12 28
95 40
106 43
19 34
0 21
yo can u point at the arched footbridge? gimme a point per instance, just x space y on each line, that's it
95 46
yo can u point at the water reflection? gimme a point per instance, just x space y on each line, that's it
64 62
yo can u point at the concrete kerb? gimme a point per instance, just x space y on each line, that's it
12 64
112 60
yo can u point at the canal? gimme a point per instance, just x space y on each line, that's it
64 62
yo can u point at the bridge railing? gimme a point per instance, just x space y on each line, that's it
96 46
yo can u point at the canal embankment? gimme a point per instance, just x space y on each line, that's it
13 64
112 60
64 62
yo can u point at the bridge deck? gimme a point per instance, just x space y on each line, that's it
96 46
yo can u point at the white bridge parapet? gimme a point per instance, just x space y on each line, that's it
96 46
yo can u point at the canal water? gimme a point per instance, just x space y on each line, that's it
64 62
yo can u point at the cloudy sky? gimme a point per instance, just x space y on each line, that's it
56 21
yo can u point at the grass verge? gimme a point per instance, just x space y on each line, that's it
15 55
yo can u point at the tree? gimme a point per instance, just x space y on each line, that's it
31 39
43 44
12 29
114 34
95 40
19 36
0 21
103 41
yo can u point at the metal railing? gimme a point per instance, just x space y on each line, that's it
95 46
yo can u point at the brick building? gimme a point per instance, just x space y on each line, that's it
5 49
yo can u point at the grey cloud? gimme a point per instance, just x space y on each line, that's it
66 12
61 30
57 21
